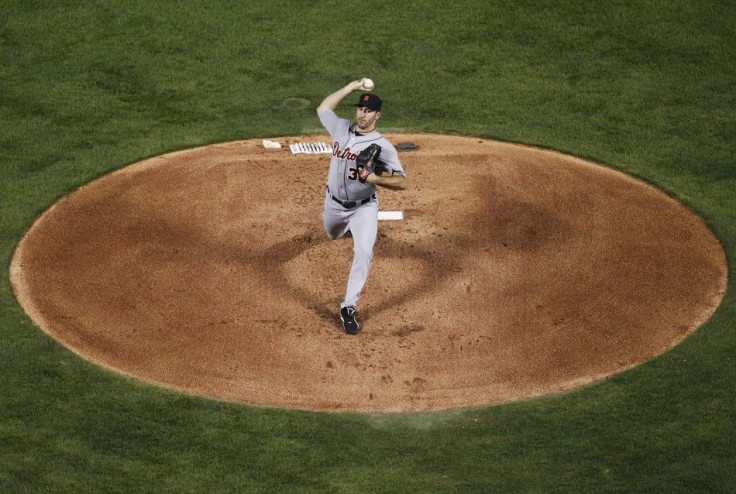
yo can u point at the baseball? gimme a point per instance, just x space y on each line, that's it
368 84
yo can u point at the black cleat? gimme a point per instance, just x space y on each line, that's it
347 316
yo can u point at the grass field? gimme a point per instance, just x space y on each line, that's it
647 87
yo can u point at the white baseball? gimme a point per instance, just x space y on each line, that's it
368 84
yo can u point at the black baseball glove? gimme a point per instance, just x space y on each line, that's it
367 161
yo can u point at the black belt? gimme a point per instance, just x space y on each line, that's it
352 204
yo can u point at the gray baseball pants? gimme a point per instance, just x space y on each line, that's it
362 223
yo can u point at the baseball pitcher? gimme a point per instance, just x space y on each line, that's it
362 159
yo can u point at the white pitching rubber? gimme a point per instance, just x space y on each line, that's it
391 215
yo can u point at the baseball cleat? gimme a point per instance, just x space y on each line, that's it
347 316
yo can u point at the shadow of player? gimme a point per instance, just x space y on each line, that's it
439 265
504 224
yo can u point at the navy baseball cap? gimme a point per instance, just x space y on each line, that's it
370 101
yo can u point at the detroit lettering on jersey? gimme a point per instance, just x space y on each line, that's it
344 154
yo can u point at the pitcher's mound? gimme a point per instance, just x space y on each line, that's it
515 272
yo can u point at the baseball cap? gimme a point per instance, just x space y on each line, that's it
370 101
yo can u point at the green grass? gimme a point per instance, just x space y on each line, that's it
89 87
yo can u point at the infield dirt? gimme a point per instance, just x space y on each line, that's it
516 272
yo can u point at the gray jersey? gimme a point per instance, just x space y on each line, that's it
342 178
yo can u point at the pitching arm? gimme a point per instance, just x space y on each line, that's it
334 99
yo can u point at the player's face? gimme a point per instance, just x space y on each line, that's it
366 119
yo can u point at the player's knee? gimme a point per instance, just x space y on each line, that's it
334 232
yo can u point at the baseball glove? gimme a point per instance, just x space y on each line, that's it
367 161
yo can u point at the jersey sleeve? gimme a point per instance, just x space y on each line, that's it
330 121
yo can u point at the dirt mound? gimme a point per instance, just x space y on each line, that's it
516 272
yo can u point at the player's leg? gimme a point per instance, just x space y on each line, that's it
334 219
363 225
